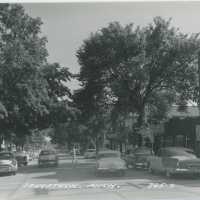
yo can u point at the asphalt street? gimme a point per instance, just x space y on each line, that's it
78 182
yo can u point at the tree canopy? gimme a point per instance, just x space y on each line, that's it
137 70
32 91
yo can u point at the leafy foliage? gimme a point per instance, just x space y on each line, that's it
32 91
128 69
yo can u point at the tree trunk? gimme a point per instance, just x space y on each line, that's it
1 142
97 145
141 117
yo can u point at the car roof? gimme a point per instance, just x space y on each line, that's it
177 149
5 152
48 150
143 148
108 151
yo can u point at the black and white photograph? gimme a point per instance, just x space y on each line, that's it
100 100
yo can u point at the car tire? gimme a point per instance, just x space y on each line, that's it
97 173
151 170
14 173
168 174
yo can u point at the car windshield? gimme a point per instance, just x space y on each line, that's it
5 156
91 150
20 153
47 152
143 151
109 155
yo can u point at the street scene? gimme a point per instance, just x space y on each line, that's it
79 182
100 100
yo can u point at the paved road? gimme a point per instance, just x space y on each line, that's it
79 183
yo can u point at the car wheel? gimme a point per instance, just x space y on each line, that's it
168 174
151 170
13 173
97 173
128 165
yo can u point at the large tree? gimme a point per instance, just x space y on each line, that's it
132 68
32 90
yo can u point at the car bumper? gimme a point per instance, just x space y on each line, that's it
186 171
22 162
7 169
113 170
141 165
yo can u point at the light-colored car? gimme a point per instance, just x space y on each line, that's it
8 163
22 158
110 161
90 153
47 157
175 160
138 158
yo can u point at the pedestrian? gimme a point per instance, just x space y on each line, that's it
74 159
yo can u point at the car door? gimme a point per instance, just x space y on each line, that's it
169 163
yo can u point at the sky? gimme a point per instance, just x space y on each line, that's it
66 25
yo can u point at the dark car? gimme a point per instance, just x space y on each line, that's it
138 158
90 153
48 157
22 158
8 163
175 160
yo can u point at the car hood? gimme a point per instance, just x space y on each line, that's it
90 153
5 162
186 158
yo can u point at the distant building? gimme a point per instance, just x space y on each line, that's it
179 128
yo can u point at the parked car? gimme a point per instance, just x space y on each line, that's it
77 152
90 153
22 158
109 161
175 160
8 163
138 158
47 157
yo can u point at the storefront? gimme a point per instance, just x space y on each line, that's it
181 132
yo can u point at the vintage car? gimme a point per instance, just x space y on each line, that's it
47 157
90 153
175 160
138 158
77 151
8 163
109 161
22 158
